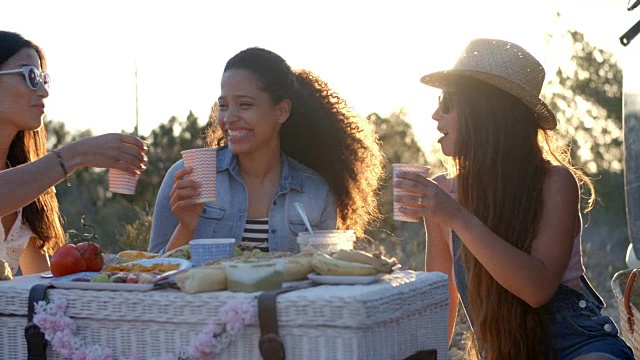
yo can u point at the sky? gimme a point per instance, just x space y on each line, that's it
371 52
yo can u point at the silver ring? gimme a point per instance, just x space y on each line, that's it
419 200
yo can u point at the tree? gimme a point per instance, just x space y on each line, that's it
586 95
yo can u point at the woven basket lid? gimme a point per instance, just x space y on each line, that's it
504 65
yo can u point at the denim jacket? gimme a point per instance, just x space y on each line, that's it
227 215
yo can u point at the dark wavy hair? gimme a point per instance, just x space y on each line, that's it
501 160
322 132
43 214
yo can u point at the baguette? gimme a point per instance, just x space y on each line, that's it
378 261
202 279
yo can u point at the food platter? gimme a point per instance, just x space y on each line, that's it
68 282
72 281
183 264
344 280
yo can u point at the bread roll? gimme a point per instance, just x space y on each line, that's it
202 279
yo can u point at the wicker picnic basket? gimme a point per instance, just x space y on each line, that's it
622 285
390 319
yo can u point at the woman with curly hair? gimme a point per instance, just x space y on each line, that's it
31 226
282 136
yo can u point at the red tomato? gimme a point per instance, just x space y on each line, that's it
67 260
92 255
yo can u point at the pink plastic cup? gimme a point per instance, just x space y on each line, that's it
203 163
420 169
122 182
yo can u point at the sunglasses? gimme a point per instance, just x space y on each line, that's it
32 76
445 102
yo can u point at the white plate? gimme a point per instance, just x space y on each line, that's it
344 280
65 282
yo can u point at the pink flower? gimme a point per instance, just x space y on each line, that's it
59 330
202 345
236 314
60 306
62 341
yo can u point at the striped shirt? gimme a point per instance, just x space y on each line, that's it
256 234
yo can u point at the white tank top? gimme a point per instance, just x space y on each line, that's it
13 245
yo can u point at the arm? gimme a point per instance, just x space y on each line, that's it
439 258
33 260
533 277
329 217
42 174
124 152
177 212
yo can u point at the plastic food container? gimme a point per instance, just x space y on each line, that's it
254 275
327 240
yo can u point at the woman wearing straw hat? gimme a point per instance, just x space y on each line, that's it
505 223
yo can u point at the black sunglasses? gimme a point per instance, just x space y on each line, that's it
32 76
445 102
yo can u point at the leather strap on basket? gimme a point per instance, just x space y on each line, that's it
36 343
627 296
271 345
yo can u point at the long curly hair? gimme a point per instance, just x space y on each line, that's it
43 214
322 132
502 157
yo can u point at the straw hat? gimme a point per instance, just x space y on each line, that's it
506 66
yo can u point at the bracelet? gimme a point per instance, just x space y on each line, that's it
64 168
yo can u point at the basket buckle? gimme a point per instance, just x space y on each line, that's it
271 347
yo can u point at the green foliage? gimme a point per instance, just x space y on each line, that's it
403 240
135 236
586 96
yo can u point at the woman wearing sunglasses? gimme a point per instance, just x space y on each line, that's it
505 223
31 227
283 137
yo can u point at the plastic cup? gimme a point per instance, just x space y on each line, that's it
203 163
327 241
420 169
122 182
203 250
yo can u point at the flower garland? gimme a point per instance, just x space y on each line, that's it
59 330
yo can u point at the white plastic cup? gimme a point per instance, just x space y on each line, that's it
327 241
122 182
420 169
203 250
203 163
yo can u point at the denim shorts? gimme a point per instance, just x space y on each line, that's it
577 326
